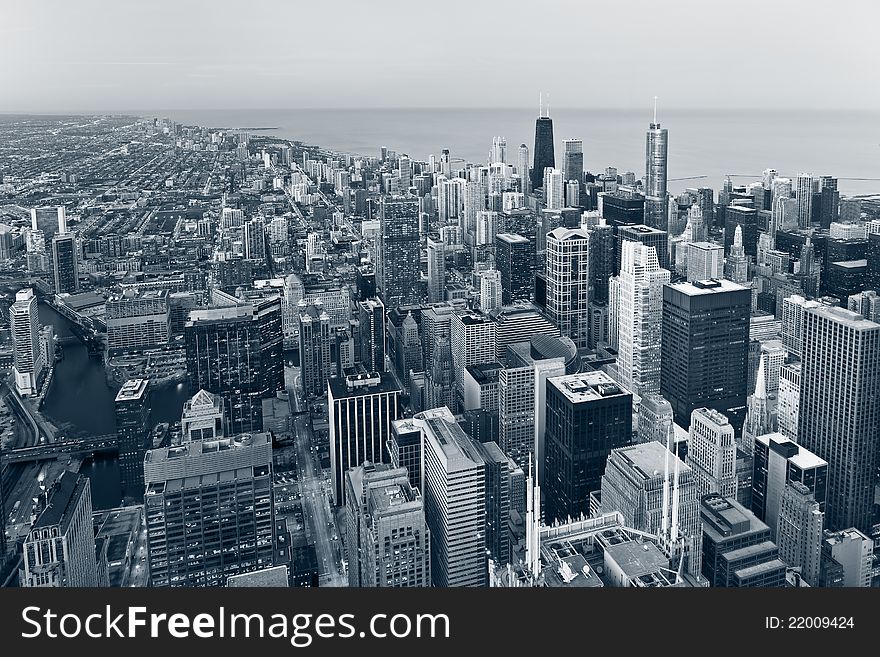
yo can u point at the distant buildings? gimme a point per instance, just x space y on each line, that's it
59 550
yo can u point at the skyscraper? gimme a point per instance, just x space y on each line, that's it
636 309
712 453
839 410
515 259
804 197
544 149
554 189
573 160
387 539
522 169
59 550
236 352
65 258
24 326
472 338
704 261
133 434
255 239
656 147
647 236
371 321
704 353
799 531
588 415
203 417
314 348
209 510
436 269
568 282
398 266
455 502
361 408
490 290
736 267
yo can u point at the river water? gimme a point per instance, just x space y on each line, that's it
80 402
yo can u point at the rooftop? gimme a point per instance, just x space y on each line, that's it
132 389
63 498
843 316
649 459
711 286
589 386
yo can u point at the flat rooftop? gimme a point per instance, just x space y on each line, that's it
710 286
198 447
843 316
649 459
589 386
132 389
62 500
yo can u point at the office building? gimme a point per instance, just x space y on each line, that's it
436 269
573 160
137 319
804 197
472 339
490 290
236 352
839 410
866 304
704 261
406 449
59 550
522 169
712 453
568 282
646 235
314 348
455 503
544 152
371 328
24 327
793 308
387 538
65 259
515 259
654 418
636 312
203 417
519 323
254 238
481 387
788 400
588 415
498 468
656 493
704 353
737 550
209 510
398 262
133 434
853 552
656 147
554 189
799 531
361 409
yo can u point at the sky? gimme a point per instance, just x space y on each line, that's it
117 55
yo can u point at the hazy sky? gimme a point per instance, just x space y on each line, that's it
66 55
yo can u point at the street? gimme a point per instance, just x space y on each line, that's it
320 524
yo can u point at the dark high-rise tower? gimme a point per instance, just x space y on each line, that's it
656 147
371 320
133 434
544 152
704 351
515 259
398 271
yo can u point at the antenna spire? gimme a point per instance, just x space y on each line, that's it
540 104
655 110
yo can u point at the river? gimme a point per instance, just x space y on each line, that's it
79 401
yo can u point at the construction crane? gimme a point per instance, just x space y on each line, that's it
686 178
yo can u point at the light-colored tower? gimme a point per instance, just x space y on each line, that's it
712 453
636 308
804 198
436 269
490 290
704 261
737 265
573 159
24 323
799 532
554 189
522 168
656 147
568 282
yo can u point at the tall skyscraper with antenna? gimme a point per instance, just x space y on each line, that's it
544 153
656 147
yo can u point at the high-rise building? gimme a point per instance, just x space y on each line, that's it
137 319
133 434
554 189
65 259
573 160
647 236
656 147
497 467
236 352
804 196
406 448
440 375
515 259
788 400
799 531
24 326
361 409
203 417
472 338
209 510
654 418
436 269
736 266
737 550
59 550
387 538
704 353
793 308
704 261
490 290
544 150
866 304
839 410
568 282
519 323
854 552
371 326
712 453
636 310
656 493
314 348
455 502
398 262
522 169
254 239
588 415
